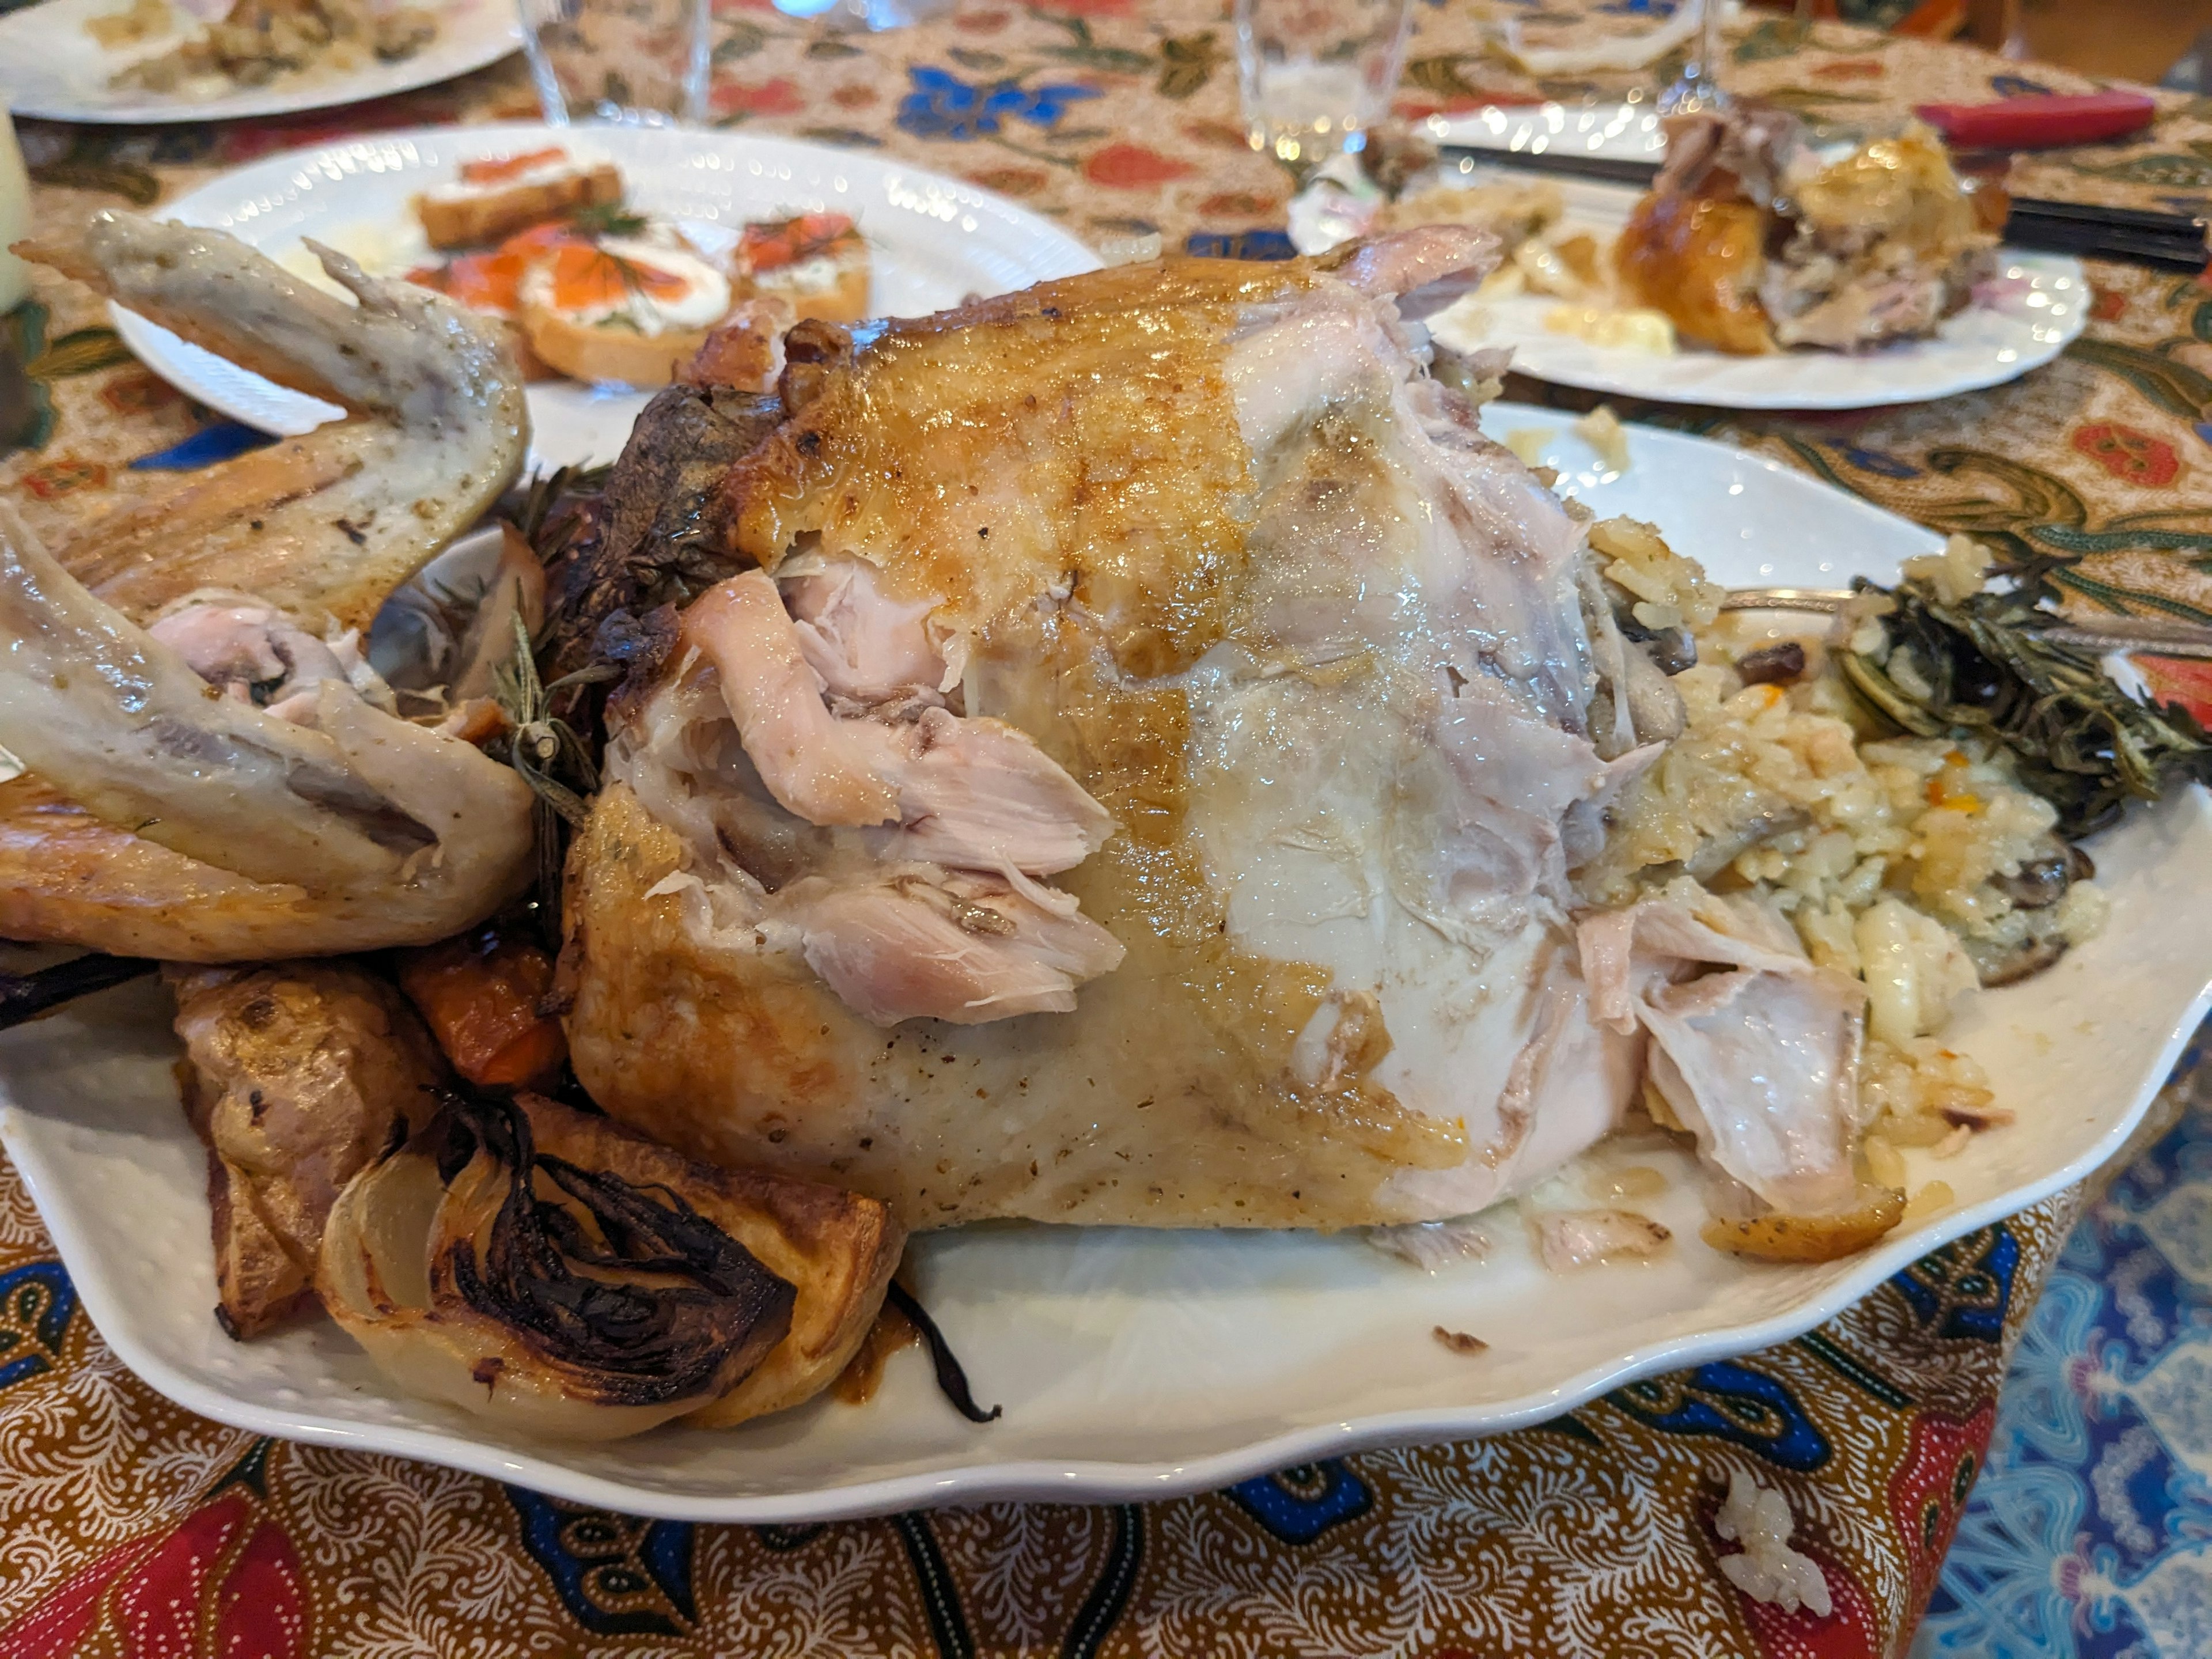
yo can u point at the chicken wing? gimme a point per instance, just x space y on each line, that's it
163 819
330 523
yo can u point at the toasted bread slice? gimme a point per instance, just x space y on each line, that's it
818 262
844 300
608 352
487 215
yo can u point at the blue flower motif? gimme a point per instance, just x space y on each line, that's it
1239 244
942 105
1877 460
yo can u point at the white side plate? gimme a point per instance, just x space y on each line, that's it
1615 132
1135 1364
933 241
49 66
2037 303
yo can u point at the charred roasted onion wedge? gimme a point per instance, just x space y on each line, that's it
301 1074
557 1273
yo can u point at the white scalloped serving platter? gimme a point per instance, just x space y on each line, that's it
2036 305
51 67
1138 1364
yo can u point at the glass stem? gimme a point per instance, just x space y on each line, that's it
1709 40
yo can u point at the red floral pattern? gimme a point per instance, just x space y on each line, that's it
2128 452
2182 680
1928 1492
139 393
193 1592
781 96
1133 167
67 476
348 1554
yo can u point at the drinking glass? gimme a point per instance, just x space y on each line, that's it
15 215
17 408
1316 74
1700 88
643 63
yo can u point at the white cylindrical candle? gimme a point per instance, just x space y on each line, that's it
14 215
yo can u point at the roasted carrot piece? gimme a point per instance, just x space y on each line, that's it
481 995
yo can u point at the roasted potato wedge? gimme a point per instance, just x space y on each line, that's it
1778 1237
297 1076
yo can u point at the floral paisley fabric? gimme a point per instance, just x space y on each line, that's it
130 1527
2088 1533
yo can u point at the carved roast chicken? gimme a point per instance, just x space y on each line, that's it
1137 782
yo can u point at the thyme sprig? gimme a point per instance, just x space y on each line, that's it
556 762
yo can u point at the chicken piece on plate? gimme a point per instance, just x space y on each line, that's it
330 523
1753 1048
1155 678
293 814
1751 238
163 818
302 1075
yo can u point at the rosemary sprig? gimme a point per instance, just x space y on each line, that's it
544 749
551 759
542 493
1985 666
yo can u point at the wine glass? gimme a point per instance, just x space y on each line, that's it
640 63
1698 88
1315 73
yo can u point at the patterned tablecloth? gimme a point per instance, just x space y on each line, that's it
128 1527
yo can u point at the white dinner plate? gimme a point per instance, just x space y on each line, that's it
933 241
2020 319
1612 131
51 67
1136 1364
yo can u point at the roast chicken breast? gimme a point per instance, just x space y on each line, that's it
1260 691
